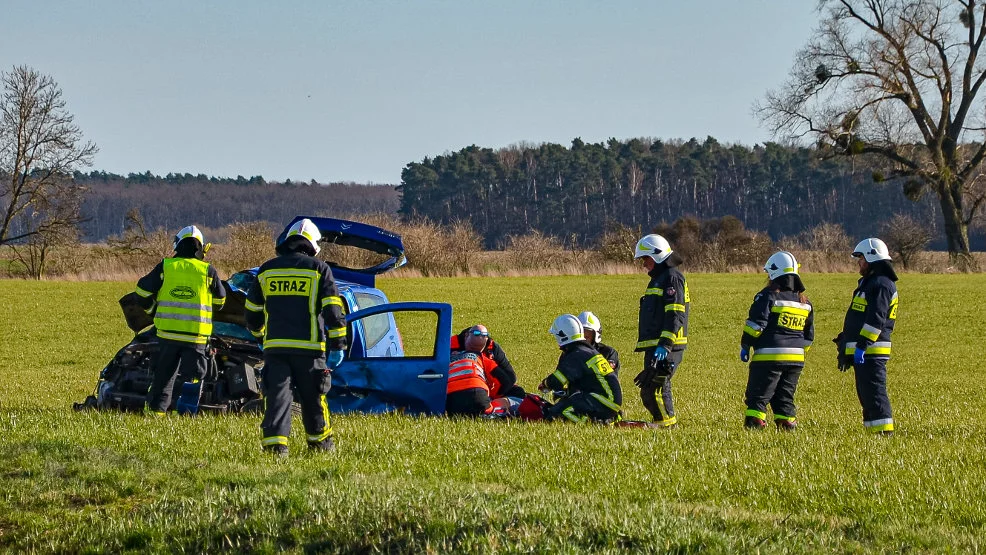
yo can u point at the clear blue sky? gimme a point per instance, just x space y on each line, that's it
353 91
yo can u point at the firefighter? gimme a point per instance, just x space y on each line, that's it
295 308
663 327
182 293
864 343
593 330
592 390
778 333
500 374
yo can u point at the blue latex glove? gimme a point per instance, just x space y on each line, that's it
335 359
745 354
859 356
660 353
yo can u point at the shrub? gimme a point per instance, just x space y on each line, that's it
906 238
534 251
827 238
436 251
717 244
618 241
246 245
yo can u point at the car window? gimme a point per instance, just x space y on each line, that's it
375 327
418 340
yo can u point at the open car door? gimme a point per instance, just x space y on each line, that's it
414 383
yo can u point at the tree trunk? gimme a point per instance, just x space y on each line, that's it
956 230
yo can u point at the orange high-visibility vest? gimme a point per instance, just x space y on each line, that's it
466 373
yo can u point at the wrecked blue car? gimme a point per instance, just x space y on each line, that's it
397 358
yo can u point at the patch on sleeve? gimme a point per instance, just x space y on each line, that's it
670 291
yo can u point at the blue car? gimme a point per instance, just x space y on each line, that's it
381 373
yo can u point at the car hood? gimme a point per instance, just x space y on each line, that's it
359 235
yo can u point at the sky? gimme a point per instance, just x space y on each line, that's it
354 91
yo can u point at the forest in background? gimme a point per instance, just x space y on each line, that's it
574 193
583 189
176 200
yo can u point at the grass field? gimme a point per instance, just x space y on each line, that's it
111 482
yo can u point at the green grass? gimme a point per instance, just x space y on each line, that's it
113 482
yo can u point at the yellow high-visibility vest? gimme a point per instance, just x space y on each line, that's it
184 302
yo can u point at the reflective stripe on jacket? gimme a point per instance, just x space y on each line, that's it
500 373
466 372
663 317
581 369
184 301
295 306
871 317
779 327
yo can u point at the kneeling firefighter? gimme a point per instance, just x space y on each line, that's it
182 292
779 331
294 306
593 330
592 389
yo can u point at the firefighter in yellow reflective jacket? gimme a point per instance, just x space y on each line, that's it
295 307
663 326
778 333
591 387
181 292
864 343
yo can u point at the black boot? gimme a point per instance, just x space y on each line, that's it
786 425
325 445
754 423
279 451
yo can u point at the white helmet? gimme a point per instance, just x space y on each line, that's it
566 329
654 246
308 230
185 233
780 264
590 322
872 249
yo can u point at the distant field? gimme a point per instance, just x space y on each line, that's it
110 482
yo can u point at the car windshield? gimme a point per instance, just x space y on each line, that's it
242 281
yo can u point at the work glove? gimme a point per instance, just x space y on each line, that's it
745 354
660 353
335 359
859 357
844 362
655 373
644 378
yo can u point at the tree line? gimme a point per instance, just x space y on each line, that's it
178 199
581 190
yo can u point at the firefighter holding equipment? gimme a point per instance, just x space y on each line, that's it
778 332
182 293
295 307
864 343
663 327
592 390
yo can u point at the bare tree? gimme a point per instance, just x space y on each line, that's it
40 147
905 237
898 80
